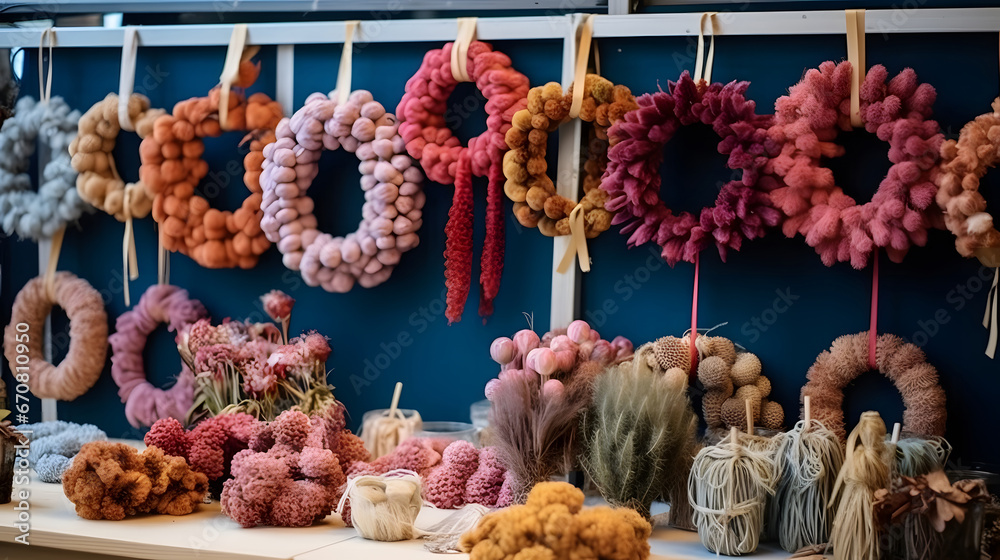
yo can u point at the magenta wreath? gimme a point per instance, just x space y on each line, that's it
806 124
743 208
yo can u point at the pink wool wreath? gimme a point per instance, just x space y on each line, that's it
392 212
807 122
743 208
145 403
902 362
428 139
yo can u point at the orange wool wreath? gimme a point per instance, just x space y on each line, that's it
172 166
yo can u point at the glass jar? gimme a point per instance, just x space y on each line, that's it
451 431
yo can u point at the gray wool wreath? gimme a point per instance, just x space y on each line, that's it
38 215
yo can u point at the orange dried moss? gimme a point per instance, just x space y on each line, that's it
553 525
113 480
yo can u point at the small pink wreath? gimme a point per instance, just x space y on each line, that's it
424 127
743 208
392 212
902 362
807 122
88 337
145 403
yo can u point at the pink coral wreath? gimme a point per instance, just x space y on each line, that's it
902 362
807 122
743 208
144 402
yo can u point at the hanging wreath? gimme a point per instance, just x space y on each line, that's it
88 334
145 403
391 214
99 183
172 167
806 124
38 215
536 202
423 126
902 362
742 209
963 163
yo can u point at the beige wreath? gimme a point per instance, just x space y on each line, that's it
98 182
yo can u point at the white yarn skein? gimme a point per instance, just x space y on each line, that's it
809 458
728 487
385 508
38 215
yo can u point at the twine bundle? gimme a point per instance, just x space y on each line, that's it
383 432
854 536
728 489
916 456
808 459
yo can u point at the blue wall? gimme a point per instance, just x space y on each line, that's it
627 293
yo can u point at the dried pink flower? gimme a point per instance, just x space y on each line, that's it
201 334
315 347
259 379
213 357
278 305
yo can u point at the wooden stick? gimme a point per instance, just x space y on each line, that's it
749 416
395 397
807 402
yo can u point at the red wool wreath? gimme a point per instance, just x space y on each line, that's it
743 208
429 140
807 122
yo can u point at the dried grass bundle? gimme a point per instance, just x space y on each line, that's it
854 535
638 435
534 433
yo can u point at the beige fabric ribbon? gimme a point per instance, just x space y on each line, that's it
990 317
460 49
236 54
577 242
126 80
856 56
346 59
50 269
130 265
584 34
162 261
45 85
703 65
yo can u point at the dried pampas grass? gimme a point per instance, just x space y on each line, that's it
638 435
534 433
